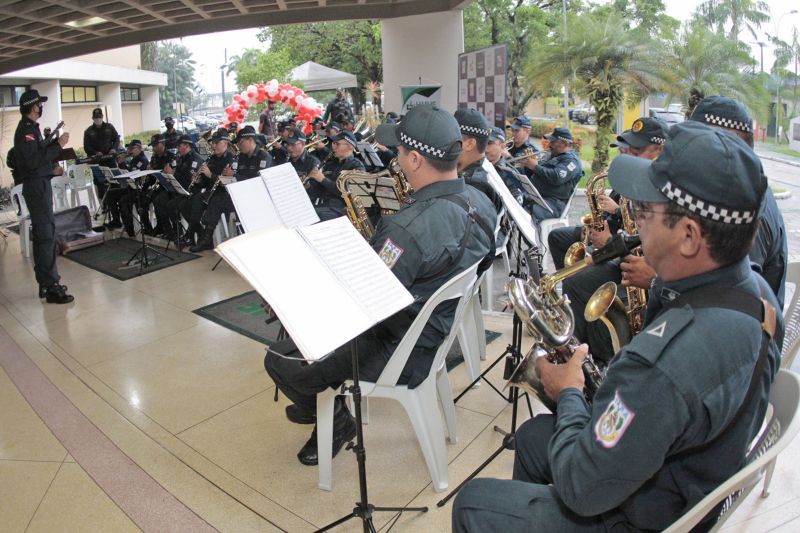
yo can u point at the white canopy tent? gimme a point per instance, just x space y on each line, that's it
316 77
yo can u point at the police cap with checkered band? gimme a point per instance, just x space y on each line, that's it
645 131
723 112
428 129
709 172
472 123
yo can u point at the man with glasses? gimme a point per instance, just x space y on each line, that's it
682 401
321 183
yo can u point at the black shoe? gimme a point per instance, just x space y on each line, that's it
202 245
131 232
57 294
344 430
43 290
300 415
114 224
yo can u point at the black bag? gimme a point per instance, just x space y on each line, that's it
11 162
74 229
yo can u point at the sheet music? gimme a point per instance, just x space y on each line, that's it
253 205
373 286
531 189
289 196
517 213
175 184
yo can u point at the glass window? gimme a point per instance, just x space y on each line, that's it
18 92
67 95
80 94
91 94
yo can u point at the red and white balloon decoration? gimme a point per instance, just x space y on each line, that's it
294 97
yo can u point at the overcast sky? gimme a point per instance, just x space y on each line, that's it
209 53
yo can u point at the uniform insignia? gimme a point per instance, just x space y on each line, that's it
194 164
657 331
262 164
30 137
637 125
562 173
669 294
571 166
390 253
613 423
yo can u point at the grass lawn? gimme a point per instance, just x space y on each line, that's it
785 151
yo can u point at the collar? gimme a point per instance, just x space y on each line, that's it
470 170
730 275
439 188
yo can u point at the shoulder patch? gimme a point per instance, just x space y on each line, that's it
562 173
390 253
571 166
262 163
30 137
613 423
652 341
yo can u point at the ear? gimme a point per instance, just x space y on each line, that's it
691 238
415 159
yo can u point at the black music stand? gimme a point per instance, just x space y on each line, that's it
144 248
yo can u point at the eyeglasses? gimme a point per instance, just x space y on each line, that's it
639 210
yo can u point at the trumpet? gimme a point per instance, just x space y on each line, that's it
317 143
528 153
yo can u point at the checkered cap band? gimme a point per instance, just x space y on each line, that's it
418 145
705 209
565 139
248 134
26 102
472 130
726 122
657 140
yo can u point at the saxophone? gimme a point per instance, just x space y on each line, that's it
593 220
356 211
637 298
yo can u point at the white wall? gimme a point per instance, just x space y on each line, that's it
111 102
128 56
422 46
52 108
794 133
151 109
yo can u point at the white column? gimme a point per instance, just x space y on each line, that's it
151 109
111 103
52 108
422 46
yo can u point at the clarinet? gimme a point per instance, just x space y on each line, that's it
218 181
198 174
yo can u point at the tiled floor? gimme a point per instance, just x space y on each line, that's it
188 408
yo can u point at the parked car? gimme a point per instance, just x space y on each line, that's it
583 114
183 124
670 117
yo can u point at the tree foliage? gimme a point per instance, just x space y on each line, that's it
175 60
787 54
258 66
741 14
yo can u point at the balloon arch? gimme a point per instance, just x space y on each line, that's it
305 106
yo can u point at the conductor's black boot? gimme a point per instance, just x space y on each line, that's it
344 430
43 290
57 294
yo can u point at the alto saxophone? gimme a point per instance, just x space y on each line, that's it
593 220
637 298
355 209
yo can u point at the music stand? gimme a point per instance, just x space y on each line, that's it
171 184
372 160
144 248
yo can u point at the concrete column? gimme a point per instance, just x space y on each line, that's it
52 108
422 46
151 109
111 104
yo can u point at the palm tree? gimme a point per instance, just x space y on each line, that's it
742 14
175 60
600 59
700 62
787 53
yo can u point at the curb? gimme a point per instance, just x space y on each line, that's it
780 160
782 195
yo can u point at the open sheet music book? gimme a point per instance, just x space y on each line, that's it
517 213
171 183
333 287
275 197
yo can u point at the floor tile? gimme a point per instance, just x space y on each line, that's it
22 486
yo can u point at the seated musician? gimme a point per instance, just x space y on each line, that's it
430 240
323 150
246 165
321 184
679 404
494 153
555 178
522 145
121 199
187 165
160 160
474 136
301 160
278 151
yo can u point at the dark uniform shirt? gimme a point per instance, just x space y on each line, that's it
516 151
769 253
304 164
246 167
661 433
326 193
158 162
171 139
33 158
186 167
279 155
100 139
476 176
510 177
216 164
421 244
135 163
558 176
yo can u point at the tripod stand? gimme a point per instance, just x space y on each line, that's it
144 248
363 508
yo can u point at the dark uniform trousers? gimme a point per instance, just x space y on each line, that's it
38 195
559 240
421 245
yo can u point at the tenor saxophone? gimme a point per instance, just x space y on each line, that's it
637 298
593 220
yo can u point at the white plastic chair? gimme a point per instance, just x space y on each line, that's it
471 332
226 227
791 315
501 249
782 428
81 181
420 403
549 224
59 185
24 220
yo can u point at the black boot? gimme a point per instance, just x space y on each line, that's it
205 241
43 290
57 294
344 430
300 415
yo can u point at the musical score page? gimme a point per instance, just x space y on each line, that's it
253 205
289 196
517 213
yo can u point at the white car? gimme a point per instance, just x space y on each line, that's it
184 125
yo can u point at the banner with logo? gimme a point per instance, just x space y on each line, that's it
482 78
413 95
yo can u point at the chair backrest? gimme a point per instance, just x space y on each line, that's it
791 337
565 213
19 201
458 286
782 428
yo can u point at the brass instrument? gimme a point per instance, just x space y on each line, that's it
316 143
593 220
272 143
637 298
402 186
356 211
528 153
553 323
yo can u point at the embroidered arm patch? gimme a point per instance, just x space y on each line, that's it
613 423
390 253
30 137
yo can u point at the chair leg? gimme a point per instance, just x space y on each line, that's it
469 343
325 404
768 478
487 289
480 330
364 408
445 393
428 426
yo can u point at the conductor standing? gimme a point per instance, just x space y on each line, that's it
34 159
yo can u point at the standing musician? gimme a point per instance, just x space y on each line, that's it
121 199
321 184
187 165
522 145
100 142
556 178
171 135
474 136
681 403
220 161
247 164
33 161
443 228
494 153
